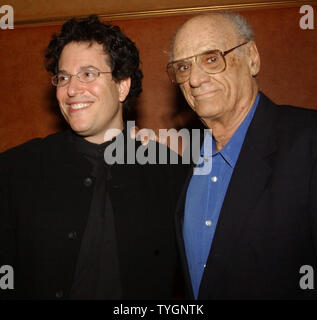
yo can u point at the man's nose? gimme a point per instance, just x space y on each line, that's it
197 76
74 86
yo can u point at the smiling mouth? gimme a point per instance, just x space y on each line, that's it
197 96
73 107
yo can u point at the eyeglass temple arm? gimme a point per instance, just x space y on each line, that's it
236 47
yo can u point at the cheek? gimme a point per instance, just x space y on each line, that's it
235 83
229 82
235 78
104 92
114 90
60 94
186 91
93 89
233 61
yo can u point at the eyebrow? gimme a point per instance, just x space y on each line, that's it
197 54
81 68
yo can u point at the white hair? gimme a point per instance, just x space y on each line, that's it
242 27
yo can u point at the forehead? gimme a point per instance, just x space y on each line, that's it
201 34
76 55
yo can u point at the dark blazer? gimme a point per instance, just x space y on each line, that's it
45 194
267 227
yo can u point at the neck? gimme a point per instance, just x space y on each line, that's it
223 128
107 135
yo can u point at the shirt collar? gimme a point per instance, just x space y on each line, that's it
91 149
230 152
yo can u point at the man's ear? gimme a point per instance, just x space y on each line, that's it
124 88
254 59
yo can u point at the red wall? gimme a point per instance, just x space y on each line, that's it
28 108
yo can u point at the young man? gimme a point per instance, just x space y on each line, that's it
72 225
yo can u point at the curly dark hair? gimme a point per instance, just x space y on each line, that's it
122 52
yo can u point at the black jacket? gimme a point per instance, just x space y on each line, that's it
267 228
45 194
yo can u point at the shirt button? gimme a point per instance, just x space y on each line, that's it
59 294
88 182
204 266
208 223
72 235
214 179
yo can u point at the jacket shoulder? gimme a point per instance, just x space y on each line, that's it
297 114
292 126
289 113
298 122
30 149
288 118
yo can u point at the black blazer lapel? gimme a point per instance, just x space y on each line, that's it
249 179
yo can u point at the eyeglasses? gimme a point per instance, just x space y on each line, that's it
212 62
62 79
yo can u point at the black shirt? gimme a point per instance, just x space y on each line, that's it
97 273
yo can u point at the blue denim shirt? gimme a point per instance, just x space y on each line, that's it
205 196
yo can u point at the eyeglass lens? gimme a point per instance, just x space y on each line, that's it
210 62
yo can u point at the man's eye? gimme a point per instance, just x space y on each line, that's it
182 67
211 59
62 78
88 75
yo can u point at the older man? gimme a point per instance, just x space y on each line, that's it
247 228
73 226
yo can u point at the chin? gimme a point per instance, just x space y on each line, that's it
206 108
79 129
